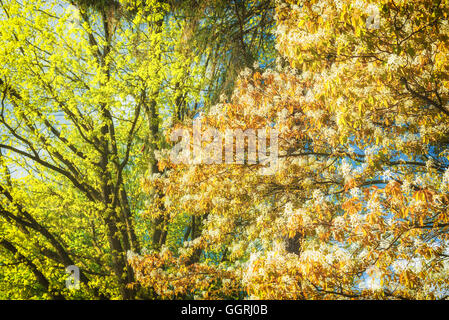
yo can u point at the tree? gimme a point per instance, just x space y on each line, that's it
76 83
88 88
357 207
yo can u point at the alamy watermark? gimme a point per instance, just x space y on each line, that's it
208 145
72 282
373 20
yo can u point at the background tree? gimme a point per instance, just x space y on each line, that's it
88 88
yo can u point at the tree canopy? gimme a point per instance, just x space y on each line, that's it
355 205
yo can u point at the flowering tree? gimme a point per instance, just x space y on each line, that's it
87 88
357 205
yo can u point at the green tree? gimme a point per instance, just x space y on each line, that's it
77 81
87 90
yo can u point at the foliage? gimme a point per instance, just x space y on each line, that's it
87 88
355 208
358 205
